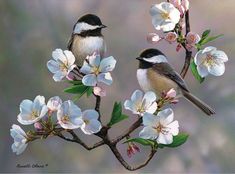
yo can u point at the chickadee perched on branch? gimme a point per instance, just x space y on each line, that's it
87 38
155 74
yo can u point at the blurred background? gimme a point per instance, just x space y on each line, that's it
31 29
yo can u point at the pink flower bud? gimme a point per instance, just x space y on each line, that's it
175 101
38 126
171 93
132 149
179 46
153 38
176 3
99 91
185 4
171 37
189 47
192 38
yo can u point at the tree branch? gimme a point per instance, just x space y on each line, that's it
188 54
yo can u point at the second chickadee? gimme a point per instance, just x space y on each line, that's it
155 74
87 38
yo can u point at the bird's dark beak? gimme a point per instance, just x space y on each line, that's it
103 26
139 58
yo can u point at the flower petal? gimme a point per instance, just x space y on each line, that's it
220 55
107 64
174 128
217 69
58 76
70 57
94 60
166 116
208 49
53 66
149 98
89 80
151 109
148 133
202 70
90 114
105 78
92 127
26 106
137 96
86 68
150 120
59 55
165 138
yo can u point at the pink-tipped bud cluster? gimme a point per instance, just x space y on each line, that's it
99 91
170 96
181 5
171 37
38 126
132 149
191 40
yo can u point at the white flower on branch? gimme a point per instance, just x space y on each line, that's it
32 111
139 103
20 139
69 115
62 64
160 127
54 103
164 16
90 124
97 70
210 60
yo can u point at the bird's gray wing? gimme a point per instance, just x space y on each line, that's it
166 70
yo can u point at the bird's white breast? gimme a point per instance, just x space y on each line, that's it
143 80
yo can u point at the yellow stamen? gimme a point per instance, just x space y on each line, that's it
96 70
209 60
65 119
86 121
165 15
34 114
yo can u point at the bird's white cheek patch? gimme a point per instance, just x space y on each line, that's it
143 79
82 26
156 59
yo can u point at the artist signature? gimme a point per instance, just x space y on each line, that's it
28 165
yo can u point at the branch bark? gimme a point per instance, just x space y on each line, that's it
188 54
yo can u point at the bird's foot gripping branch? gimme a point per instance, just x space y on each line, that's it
153 115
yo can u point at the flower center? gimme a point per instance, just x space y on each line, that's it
65 119
86 121
165 15
34 114
96 70
209 61
161 129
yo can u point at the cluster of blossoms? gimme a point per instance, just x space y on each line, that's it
168 17
37 112
158 125
94 69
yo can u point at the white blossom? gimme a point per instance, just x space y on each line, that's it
69 115
97 70
54 103
139 103
90 124
61 64
164 16
210 60
20 139
160 127
32 111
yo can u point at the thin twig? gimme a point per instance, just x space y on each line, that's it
188 54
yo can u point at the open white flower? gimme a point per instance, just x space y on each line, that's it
97 70
164 16
160 127
20 139
210 60
90 124
139 103
69 115
32 111
62 64
54 103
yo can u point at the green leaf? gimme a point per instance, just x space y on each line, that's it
177 141
209 39
117 115
76 82
76 89
205 34
89 91
142 141
193 68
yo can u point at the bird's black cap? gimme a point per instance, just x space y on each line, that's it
148 53
91 19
